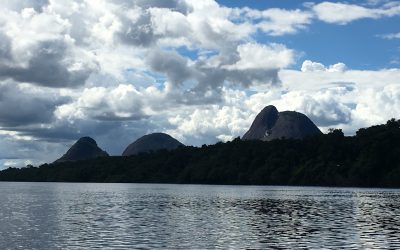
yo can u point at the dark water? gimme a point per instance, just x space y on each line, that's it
146 216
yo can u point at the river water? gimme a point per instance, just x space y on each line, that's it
158 216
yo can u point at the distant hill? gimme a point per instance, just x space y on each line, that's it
270 124
84 148
152 142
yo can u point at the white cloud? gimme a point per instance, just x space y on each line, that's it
170 23
337 67
201 81
343 13
210 124
273 24
41 51
377 105
309 66
324 107
120 103
347 99
390 36
260 56
313 80
214 30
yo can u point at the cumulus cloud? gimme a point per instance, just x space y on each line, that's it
48 67
324 107
212 123
351 98
310 66
376 105
203 81
172 64
136 28
37 49
120 103
170 24
259 56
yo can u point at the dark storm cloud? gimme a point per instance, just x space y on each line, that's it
19 108
47 67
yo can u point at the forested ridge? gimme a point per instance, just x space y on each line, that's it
371 158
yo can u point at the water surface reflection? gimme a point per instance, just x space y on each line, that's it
149 216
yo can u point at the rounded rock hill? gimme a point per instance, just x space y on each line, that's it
270 124
84 148
152 142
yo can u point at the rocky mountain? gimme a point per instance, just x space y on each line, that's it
84 148
152 142
270 124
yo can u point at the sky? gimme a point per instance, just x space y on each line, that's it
199 70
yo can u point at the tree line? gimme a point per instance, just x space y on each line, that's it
371 158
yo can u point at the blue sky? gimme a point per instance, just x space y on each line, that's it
356 43
200 71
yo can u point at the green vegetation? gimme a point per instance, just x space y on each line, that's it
371 158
